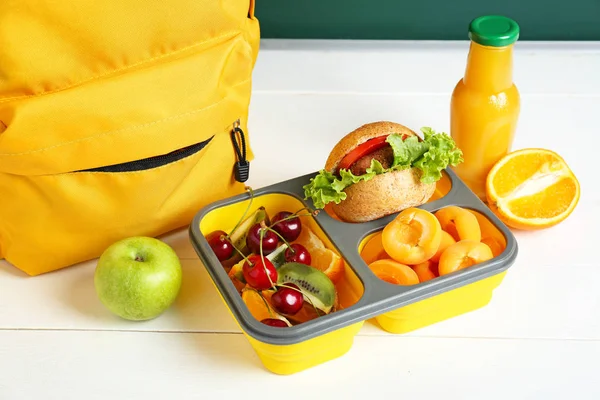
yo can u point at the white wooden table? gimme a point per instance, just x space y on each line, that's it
539 338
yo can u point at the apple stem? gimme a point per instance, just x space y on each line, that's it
139 258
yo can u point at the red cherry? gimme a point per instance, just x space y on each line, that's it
297 253
274 322
287 300
257 272
269 240
220 245
290 228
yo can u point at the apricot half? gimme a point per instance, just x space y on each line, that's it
426 270
373 249
412 237
494 245
394 272
463 254
459 223
447 241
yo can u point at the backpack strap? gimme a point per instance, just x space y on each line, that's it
251 9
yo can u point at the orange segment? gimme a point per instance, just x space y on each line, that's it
328 262
463 254
532 189
373 249
309 239
447 241
426 270
322 258
394 272
259 306
412 237
459 222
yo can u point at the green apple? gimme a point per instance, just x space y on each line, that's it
138 278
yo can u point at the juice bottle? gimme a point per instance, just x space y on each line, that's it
485 104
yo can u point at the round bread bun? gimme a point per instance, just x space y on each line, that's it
384 194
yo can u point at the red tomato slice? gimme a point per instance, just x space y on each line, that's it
367 147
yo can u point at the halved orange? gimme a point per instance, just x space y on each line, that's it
322 258
532 189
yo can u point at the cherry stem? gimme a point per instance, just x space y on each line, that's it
248 188
302 293
292 216
281 237
263 299
262 257
312 212
239 251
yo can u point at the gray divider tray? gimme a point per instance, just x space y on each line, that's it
379 296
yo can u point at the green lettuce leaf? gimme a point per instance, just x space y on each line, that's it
431 155
406 151
441 153
326 187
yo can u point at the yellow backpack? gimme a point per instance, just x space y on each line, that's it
117 118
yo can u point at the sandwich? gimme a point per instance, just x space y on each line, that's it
381 168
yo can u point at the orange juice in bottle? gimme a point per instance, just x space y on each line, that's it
485 103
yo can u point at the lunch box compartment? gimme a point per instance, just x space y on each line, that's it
290 358
363 296
449 304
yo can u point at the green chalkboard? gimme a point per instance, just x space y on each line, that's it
424 19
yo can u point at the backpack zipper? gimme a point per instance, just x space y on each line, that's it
241 166
151 162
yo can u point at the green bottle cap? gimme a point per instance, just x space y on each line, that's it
493 30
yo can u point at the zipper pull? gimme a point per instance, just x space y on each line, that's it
242 166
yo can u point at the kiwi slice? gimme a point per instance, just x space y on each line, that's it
315 285
238 236
277 257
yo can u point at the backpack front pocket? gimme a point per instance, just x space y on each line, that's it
134 152
71 217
